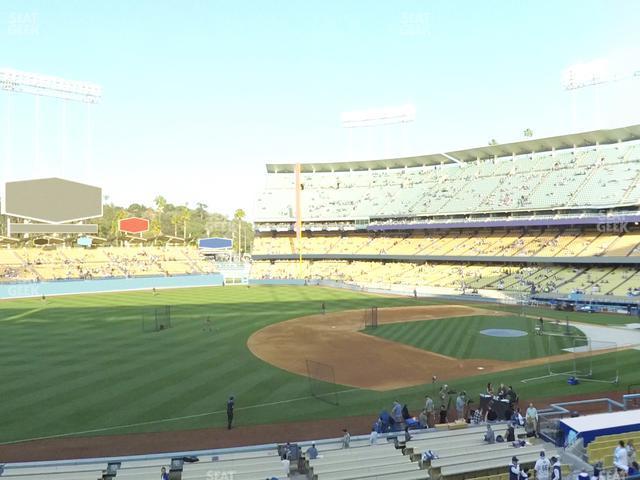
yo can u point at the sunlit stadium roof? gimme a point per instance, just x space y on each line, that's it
583 139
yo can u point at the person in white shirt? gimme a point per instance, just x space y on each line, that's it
373 437
532 419
583 475
461 401
556 469
621 458
542 467
346 439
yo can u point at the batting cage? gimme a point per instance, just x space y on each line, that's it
322 382
157 319
371 317
589 360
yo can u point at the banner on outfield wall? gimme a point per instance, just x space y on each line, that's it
215 243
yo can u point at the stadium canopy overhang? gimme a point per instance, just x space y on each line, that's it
577 140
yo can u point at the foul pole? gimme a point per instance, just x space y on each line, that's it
299 217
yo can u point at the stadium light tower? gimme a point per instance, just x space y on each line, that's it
375 117
14 81
590 74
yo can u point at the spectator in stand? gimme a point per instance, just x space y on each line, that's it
502 391
631 451
396 412
621 459
542 467
531 419
478 417
490 436
634 469
312 452
346 438
517 419
443 414
492 416
423 419
429 407
508 413
461 401
163 474
514 469
511 434
556 469
373 436
583 475
489 389
405 413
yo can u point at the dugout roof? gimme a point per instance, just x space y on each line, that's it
583 139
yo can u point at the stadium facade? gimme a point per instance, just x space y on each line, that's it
553 218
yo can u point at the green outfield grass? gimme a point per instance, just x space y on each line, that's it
82 364
461 338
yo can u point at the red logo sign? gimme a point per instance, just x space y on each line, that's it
134 225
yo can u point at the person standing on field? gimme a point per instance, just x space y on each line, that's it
230 405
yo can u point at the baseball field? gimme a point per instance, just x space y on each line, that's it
84 365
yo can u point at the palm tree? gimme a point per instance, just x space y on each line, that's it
185 216
202 210
175 221
161 204
238 216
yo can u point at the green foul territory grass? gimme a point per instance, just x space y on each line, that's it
83 365
461 338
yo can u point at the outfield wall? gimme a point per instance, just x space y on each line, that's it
401 290
71 287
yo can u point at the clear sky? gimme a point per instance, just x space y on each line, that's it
199 95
